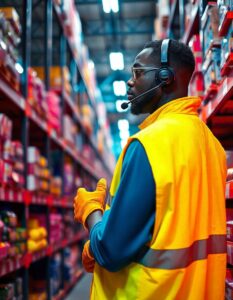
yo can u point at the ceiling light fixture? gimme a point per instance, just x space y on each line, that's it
116 61
110 5
119 88
123 125
114 5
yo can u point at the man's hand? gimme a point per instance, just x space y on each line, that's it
88 260
87 202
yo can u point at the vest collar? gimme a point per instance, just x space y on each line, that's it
185 105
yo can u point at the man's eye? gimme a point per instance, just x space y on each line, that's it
137 72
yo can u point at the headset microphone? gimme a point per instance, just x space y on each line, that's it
125 105
165 75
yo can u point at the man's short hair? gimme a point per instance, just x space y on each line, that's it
179 54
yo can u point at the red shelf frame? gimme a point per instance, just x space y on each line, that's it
44 126
11 264
8 194
15 97
228 64
224 92
191 25
223 27
229 190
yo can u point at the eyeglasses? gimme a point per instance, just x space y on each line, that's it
138 71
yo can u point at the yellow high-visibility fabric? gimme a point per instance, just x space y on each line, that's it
189 168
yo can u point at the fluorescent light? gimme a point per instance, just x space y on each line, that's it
118 105
19 68
110 5
123 125
116 61
119 88
123 143
114 5
3 45
106 6
124 135
91 64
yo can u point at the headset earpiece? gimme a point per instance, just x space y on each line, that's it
166 74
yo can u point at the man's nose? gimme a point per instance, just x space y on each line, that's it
130 82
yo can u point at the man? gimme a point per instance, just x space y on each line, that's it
163 237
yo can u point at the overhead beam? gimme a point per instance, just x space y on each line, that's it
85 2
142 25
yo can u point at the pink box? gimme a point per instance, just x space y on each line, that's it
230 230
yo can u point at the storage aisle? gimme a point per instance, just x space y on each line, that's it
52 140
49 146
81 290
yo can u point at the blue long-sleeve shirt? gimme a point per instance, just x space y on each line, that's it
127 226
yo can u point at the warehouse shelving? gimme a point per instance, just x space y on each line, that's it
33 130
229 190
24 261
217 104
193 24
222 94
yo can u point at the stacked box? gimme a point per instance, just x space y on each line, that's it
10 31
38 178
37 94
11 288
71 262
54 111
56 77
56 273
68 178
211 67
56 186
227 41
56 228
37 233
12 235
229 284
210 24
69 130
11 156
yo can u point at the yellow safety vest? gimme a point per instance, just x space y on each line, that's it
186 258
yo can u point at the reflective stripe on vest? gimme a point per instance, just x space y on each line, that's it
181 258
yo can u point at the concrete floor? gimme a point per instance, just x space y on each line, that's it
81 290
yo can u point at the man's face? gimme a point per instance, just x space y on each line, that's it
144 74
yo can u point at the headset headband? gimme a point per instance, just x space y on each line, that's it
164 52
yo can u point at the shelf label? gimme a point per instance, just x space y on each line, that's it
49 129
49 251
49 200
27 196
27 259
28 109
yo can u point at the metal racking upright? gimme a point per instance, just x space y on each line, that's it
45 42
211 24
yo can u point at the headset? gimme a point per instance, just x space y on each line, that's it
165 75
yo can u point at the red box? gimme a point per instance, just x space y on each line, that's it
230 252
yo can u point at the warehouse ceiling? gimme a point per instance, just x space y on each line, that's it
126 31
